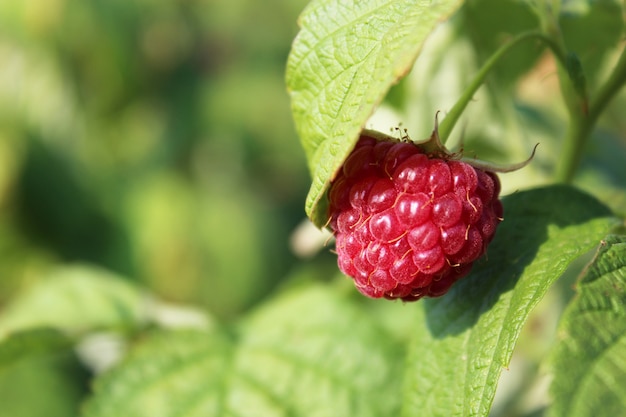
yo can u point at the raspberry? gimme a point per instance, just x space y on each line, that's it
409 223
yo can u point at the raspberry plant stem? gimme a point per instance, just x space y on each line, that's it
581 125
446 126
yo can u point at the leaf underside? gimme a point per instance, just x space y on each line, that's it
345 58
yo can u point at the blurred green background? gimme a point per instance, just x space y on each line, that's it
152 138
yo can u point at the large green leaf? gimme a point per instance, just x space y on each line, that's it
590 359
346 56
309 353
467 337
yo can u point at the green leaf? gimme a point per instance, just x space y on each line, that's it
47 385
345 58
76 299
308 353
467 337
39 362
34 342
578 81
589 361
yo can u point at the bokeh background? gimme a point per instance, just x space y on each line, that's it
152 138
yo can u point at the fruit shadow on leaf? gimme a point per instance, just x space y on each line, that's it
528 216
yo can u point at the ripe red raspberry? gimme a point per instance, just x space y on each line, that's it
409 223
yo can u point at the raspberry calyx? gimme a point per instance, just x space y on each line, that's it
411 219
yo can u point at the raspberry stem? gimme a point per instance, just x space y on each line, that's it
580 126
583 114
446 126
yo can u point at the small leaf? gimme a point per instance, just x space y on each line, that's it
345 58
76 299
578 82
308 353
24 344
467 337
589 361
